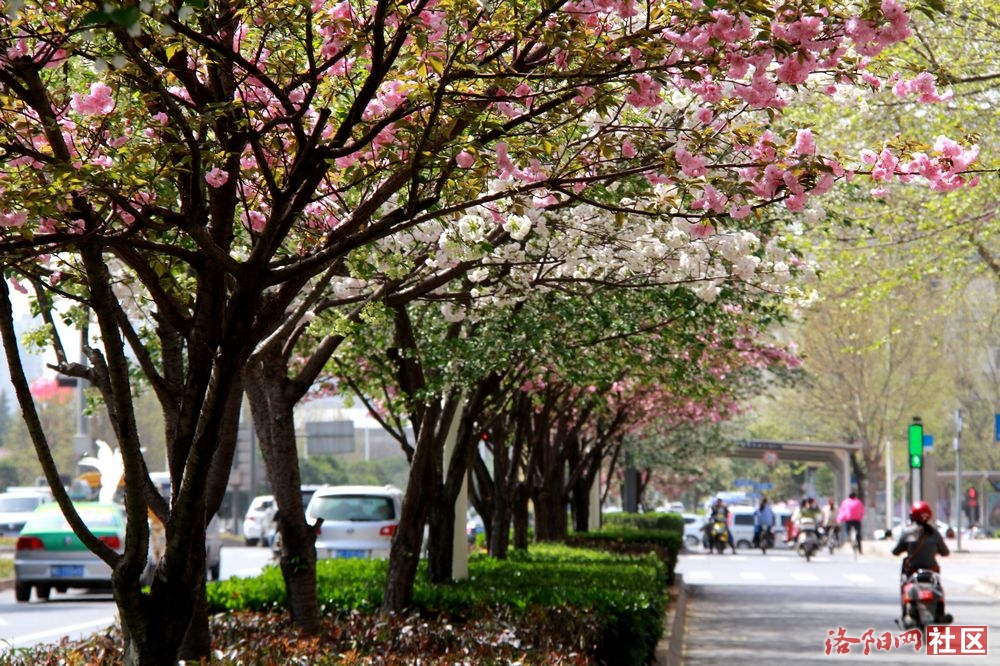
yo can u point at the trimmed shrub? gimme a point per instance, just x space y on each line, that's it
670 522
607 605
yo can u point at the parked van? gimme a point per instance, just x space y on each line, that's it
742 525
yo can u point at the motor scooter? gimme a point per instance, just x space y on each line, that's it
808 539
718 536
923 600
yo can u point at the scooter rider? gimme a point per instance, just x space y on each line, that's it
921 542
806 519
720 513
763 518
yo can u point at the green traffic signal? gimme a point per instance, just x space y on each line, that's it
915 436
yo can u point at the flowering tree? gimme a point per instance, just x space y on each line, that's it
197 175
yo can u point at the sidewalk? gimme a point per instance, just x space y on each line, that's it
987 551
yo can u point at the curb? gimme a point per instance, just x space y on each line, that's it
670 649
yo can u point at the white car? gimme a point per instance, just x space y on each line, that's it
358 521
16 507
258 524
692 529
741 525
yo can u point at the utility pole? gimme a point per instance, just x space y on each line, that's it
82 444
889 499
958 479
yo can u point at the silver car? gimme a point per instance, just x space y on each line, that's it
358 521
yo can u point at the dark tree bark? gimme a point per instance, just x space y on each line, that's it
272 406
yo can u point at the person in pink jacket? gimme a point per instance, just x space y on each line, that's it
851 511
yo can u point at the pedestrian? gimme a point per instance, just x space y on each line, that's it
828 520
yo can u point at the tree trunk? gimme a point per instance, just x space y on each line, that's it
273 416
520 513
404 554
170 622
550 514
580 502
441 522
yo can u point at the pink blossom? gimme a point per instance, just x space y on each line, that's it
18 287
465 159
98 102
628 149
824 184
583 94
645 92
711 199
885 167
804 143
256 219
922 85
216 177
796 202
691 165
702 229
739 212
796 68
872 80
504 163
13 219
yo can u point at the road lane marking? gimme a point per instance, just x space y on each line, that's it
858 578
805 577
700 575
58 633
752 575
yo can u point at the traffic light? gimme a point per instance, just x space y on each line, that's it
915 436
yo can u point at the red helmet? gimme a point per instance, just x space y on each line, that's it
920 512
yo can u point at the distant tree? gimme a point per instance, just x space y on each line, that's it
10 474
392 471
322 469
5 417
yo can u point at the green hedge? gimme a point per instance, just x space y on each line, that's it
670 522
612 604
635 533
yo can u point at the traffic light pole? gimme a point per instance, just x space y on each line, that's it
915 440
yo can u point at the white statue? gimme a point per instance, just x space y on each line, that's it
109 465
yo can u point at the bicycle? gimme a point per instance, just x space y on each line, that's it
833 541
853 533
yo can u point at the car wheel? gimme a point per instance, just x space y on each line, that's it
42 592
692 541
742 543
251 542
214 571
22 592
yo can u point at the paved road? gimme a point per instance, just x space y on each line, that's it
77 613
778 608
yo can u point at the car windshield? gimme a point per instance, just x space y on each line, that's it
54 521
18 504
358 508
262 505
